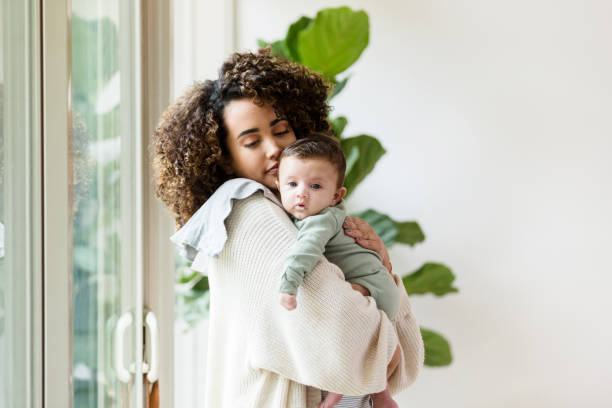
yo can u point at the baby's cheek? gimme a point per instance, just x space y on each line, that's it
285 202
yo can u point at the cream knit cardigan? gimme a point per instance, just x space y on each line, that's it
261 355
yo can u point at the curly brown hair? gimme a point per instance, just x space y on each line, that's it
190 158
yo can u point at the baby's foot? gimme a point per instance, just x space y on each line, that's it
287 301
330 401
383 400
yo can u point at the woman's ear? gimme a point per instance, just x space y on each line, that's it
340 193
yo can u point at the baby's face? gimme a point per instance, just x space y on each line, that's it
308 186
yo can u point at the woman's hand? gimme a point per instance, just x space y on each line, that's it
365 236
360 289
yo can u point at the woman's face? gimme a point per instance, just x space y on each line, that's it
256 136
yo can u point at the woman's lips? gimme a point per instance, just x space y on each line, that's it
272 170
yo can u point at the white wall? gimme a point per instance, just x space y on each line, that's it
497 119
202 37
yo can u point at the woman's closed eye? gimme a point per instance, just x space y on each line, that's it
252 144
284 132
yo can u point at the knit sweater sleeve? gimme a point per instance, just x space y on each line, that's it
336 339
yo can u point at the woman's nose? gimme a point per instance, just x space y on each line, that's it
273 149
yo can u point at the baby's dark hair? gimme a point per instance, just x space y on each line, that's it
318 145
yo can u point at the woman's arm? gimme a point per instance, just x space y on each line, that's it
411 345
336 339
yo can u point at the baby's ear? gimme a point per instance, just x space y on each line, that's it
339 194
277 184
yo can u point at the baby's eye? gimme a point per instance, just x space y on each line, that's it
292 184
315 186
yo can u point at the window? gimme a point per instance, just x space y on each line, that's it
105 127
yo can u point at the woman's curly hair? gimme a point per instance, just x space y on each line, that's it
190 158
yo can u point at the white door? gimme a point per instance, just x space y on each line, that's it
75 324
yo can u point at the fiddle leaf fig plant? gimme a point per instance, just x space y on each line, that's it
330 43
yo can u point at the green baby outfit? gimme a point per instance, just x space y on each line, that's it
322 235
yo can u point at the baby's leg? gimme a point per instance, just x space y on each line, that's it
383 289
331 399
383 400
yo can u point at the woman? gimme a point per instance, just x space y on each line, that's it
260 355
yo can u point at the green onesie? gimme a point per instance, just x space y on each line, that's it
322 235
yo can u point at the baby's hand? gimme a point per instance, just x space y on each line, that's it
287 301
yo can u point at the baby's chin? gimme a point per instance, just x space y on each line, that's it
297 214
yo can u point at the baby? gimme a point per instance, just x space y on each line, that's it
310 182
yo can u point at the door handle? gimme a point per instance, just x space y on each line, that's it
151 324
123 323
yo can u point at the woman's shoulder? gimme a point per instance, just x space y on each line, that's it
260 213
205 233
237 189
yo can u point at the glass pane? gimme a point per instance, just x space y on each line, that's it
103 220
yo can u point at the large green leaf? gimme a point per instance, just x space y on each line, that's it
291 40
338 124
201 285
387 229
437 349
362 152
334 40
430 278
383 225
409 233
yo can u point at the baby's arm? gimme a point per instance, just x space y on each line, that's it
314 234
